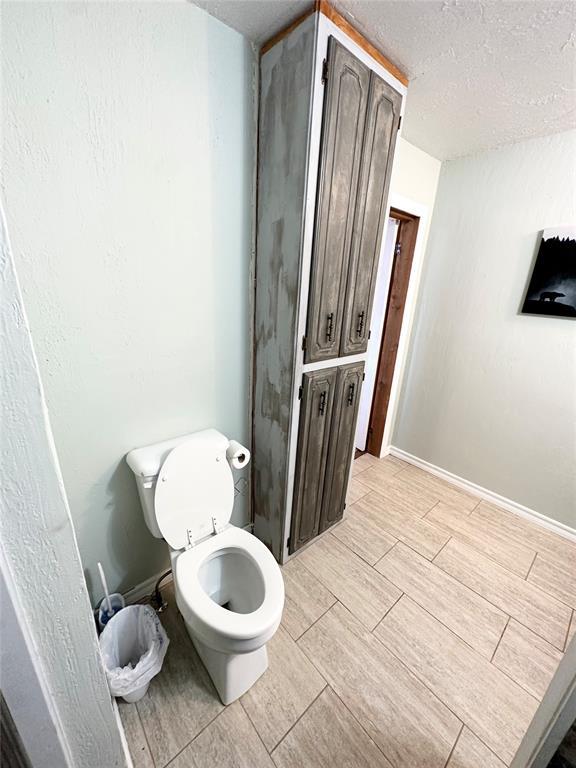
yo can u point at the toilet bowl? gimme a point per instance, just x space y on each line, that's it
229 588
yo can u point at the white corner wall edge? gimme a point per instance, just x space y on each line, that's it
120 724
39 554
501 501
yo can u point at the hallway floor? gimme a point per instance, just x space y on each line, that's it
421 632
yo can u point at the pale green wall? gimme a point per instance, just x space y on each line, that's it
128 145
490 394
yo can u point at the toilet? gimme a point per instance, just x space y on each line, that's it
229 587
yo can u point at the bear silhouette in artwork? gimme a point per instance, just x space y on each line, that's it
551 295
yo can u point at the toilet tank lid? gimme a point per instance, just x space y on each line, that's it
147 461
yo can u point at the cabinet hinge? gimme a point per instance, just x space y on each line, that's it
289 542
363 377
370 430
369 334
299 393
399 122
304 343
324 71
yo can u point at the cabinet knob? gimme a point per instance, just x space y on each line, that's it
351 390
322 406
360 325
329 326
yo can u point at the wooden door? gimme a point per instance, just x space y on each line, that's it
313 438
376 167
347 397
345 104
399 281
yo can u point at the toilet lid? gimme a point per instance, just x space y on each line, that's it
194 485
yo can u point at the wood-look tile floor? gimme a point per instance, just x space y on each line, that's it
420 632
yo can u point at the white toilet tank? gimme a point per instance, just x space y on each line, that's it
147 462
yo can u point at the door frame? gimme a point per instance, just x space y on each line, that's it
407 210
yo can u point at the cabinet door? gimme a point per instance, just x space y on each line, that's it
342 135
376 166
313 437
346 399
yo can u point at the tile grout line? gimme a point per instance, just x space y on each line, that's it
439 552
481 553
498 643
410 672
516 535
500 609
519 536
256 731
415 600
474 650
473 732
572 618
386 555
474 508
466 542
454 745
435 695
296 640
145 735
425 515
417 677
209 723
531 565
353 716
295 723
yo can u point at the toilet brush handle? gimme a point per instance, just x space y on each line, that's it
105 587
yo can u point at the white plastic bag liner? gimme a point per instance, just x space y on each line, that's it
133 645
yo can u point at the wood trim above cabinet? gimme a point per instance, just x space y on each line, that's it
324 7
286 31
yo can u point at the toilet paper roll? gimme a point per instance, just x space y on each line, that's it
238 456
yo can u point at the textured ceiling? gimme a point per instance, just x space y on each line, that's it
482 73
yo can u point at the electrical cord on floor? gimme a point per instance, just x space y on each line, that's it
156 599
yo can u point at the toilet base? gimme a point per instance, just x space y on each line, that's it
232 673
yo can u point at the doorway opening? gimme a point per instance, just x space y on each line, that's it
387 315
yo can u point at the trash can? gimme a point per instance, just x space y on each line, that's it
133 645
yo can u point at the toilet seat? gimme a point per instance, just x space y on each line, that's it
220 628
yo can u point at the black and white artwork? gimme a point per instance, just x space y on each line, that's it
552 287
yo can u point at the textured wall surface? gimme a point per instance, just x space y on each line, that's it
482 72
415 176
41 563
128 152
489 394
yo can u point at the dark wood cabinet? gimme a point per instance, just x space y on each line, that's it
377 153
313 441
328 119
346 400
360 124
325 443
345 103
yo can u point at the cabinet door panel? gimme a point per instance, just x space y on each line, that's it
376 166
313 438
342 136
346 399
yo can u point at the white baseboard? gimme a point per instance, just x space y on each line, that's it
145 588
501 501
